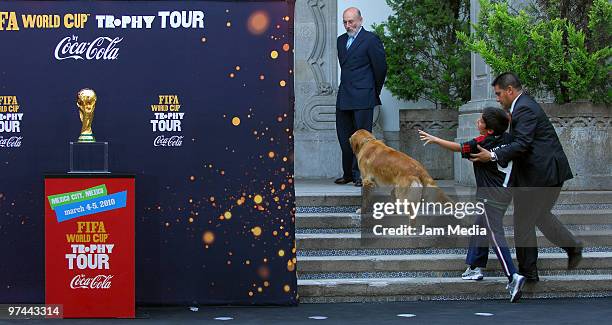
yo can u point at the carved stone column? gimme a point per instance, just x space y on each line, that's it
317 152
482 96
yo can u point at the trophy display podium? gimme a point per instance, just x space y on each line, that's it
88 157
89 230
89 244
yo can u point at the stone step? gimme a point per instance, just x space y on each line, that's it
437 274
411 289
352 197
327 220
353 220
426 251
436 263
354 241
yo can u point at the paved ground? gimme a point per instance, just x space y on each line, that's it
542 311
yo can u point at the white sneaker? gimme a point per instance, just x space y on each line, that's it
475 274
515 287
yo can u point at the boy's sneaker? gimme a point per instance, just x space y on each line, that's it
515 287
475 274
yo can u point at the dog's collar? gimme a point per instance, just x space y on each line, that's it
366 141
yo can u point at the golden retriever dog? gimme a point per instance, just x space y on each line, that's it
381 165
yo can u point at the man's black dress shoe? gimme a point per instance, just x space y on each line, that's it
343 180
531 276
358 183
574 256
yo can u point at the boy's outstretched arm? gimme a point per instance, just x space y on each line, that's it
449 145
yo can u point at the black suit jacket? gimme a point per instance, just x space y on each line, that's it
363 71
537 153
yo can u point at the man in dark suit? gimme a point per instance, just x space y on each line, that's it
363 70
540 168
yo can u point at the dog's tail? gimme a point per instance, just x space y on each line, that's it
433 193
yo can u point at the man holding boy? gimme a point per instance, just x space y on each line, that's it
540 168
492 189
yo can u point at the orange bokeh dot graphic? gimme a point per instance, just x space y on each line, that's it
208 237
258 22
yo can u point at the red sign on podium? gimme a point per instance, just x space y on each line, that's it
89 245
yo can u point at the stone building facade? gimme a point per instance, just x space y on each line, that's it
317 152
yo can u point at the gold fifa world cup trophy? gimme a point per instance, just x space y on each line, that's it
86 102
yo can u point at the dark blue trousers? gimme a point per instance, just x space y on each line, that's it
347 122
478 252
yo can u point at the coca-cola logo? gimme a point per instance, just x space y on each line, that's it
102 48
97 282
173 141
12 142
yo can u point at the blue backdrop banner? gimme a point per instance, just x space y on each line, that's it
196 99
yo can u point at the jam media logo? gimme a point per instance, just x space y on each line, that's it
102 48
12 142
81 281
173 141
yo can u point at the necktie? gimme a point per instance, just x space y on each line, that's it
349 42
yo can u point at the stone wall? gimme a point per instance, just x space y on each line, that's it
585 131
441 123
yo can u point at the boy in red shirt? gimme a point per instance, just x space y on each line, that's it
492 189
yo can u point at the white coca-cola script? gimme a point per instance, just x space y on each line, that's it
102 48
173 141
97 282
12 142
